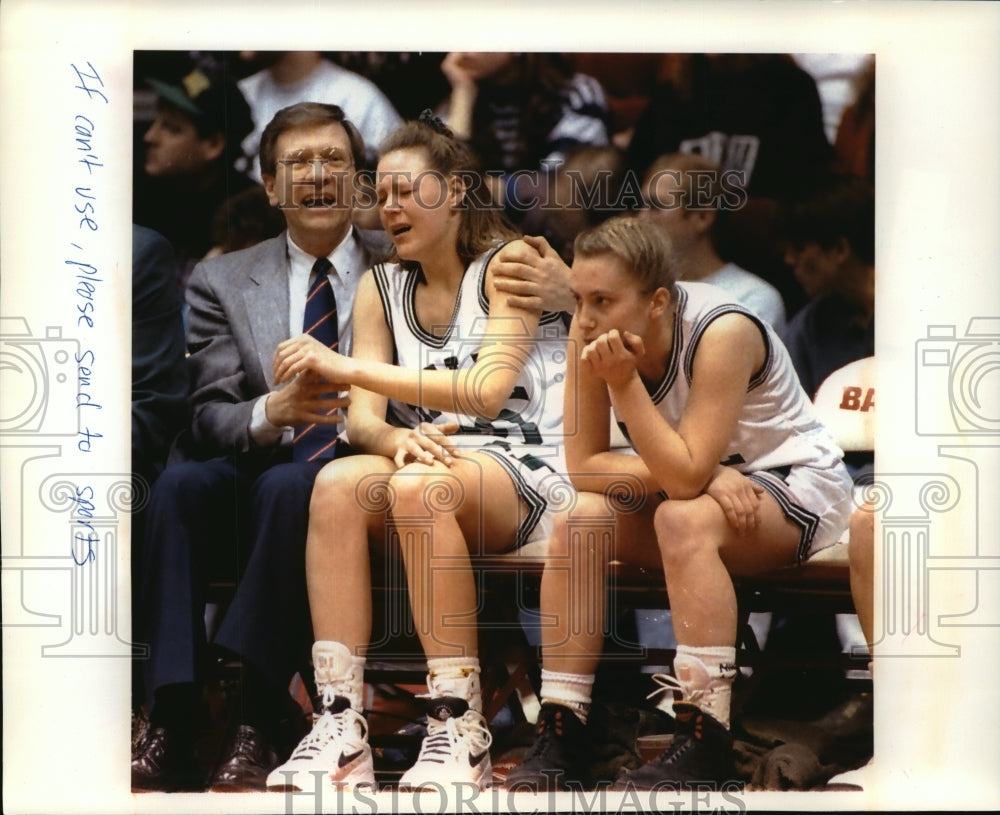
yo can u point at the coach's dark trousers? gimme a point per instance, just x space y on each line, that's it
234 520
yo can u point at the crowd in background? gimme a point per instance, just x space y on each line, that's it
759 167
785 122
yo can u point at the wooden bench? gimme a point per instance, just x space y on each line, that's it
820 585
511 583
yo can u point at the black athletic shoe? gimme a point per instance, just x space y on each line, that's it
700 757
558 756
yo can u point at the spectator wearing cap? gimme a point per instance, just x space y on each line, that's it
233 502
191 150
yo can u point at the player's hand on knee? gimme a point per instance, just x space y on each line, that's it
738 496
426 443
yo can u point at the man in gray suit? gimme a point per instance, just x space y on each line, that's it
237 501
237 505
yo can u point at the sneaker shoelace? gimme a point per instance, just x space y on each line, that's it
443 739
682 740
477 736
328 728
669 684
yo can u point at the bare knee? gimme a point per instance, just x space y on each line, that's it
861 546
681 531
588 522
406 490
420 491
558 543
587 530
332 491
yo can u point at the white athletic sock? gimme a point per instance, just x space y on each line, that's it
706 676
336 668
455 676
568 689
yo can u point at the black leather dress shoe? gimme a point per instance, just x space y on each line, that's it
248 759
164 762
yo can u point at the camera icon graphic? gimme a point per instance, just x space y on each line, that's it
38 380
958 380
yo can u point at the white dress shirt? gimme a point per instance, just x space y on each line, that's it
348 260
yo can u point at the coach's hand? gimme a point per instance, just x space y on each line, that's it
307 399
533 276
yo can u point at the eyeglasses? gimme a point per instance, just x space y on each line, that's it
304 163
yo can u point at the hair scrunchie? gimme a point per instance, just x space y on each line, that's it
434 123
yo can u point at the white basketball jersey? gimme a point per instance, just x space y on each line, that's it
777 427
532 414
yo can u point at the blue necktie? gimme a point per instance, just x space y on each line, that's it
316 442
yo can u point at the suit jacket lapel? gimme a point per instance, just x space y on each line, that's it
266 299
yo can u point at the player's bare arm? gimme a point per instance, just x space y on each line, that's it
478 391
532 275
367 428
682 460
593 466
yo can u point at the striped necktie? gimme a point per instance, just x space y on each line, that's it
314 442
